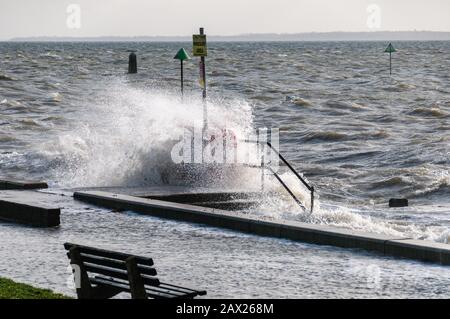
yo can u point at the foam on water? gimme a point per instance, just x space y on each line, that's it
283 207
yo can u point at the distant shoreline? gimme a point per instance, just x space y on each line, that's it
270 37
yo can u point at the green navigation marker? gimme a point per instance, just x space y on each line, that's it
390 49
182 55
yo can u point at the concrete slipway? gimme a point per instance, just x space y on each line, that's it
315 234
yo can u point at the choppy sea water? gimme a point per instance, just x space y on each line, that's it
70 114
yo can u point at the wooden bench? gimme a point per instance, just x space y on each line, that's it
104 274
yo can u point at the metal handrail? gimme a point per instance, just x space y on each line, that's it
300 178
299 202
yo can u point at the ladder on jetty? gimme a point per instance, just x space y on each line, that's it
265 167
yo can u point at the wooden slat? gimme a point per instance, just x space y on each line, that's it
118 274
151 281
160 295
145 270
101 261
118 264
172 292
110 254
110 272
109 282
182 289
158 291
126 288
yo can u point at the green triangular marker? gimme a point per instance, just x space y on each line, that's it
390 49
182 55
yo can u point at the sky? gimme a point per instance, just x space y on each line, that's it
89 18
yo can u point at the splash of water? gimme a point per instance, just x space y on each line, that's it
125 139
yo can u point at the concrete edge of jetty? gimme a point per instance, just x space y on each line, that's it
25 207
24 185
297 231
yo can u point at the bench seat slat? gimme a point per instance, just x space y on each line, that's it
109 254
151 293
118 274
180 290
166 285
118 264
165 290
102 261
110 272
154 293
98 280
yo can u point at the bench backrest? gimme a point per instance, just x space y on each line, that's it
113 264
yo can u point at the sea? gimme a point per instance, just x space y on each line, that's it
72 116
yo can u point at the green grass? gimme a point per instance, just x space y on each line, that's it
12 290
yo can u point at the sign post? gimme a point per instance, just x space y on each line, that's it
200 49
182 55
390 49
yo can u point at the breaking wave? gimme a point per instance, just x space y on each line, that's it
126 138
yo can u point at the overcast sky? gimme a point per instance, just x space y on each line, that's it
26 18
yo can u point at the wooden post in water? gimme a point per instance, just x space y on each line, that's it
132 63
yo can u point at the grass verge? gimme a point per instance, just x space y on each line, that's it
13 290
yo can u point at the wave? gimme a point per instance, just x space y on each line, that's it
54 97
222 74
431 112
326 136
127 137
342 105
263 98
397 181
51 55
438 188
400 87
345 217
4 77
301 102
297 101
7 138
331 136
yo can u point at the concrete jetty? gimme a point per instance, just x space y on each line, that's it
15 184
315 234
223 198
29 208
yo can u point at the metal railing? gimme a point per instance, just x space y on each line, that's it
280 180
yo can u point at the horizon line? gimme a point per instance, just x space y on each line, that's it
242 35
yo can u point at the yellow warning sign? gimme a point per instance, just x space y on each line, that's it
199 45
